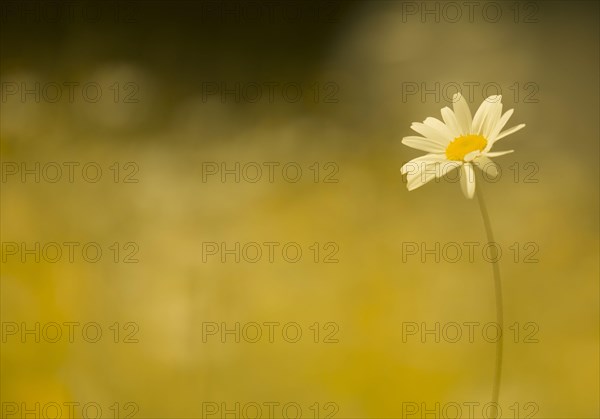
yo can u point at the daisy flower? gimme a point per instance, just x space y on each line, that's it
459 142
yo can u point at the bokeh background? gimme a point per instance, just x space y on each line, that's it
360 54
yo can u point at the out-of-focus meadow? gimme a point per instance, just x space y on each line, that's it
164 121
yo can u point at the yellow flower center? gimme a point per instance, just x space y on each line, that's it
463 145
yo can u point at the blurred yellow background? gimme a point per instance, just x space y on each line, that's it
164 120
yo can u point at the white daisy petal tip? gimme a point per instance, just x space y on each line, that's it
509 131
408 139
471 192
497 153
487 166
467 180
414 186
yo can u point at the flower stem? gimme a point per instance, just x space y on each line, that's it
499 308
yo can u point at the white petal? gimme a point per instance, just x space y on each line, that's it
440 127
491 138
427 171
479 117
483 113
467 180
462 113
509 131
413 165
494 99
432 133
424 144
472 155
498 153
487 166
416 180
492 119
449 166
451 122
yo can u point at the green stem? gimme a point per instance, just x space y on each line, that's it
499 308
